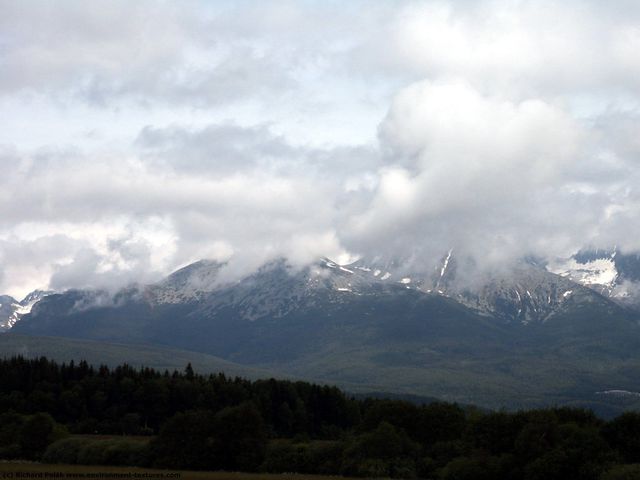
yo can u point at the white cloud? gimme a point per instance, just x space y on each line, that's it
144 136
523 48
488 176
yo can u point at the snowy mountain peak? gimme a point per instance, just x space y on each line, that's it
11 311
189 283
525 293
34 297
529 292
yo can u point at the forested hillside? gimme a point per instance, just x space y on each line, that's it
188 421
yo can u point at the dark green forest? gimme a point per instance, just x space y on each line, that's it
77 413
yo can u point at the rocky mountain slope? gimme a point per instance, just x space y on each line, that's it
525 337
524 293
529 292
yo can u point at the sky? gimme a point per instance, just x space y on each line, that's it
137 137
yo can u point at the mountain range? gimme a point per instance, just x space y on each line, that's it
534 334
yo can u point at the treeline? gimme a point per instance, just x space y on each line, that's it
189 421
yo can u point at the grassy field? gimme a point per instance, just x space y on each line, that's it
15 470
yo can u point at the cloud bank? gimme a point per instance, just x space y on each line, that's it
139 138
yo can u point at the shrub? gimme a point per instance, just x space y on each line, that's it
325 457
10 426
283 456
623 472
36 433
232 439
469 468
184 441
64 451
125 452
92 453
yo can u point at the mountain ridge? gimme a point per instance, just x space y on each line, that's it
347 325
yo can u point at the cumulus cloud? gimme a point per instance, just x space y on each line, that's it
143 137
494 179
463 164
524 48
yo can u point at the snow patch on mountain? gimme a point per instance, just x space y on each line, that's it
597 272
445 264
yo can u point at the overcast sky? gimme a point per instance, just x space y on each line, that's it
137 137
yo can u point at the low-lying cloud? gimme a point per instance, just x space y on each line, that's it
245 132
